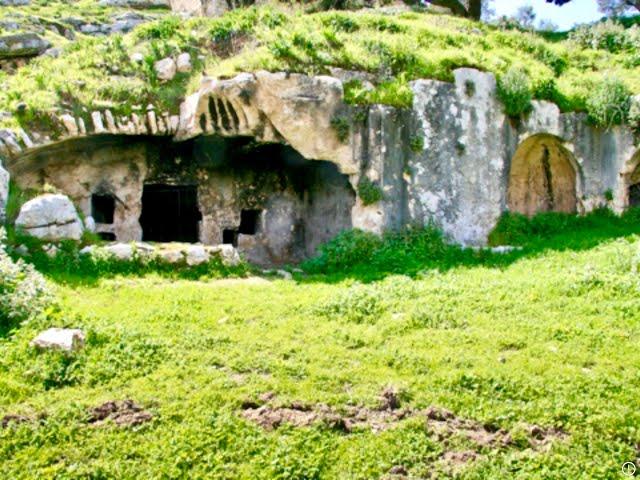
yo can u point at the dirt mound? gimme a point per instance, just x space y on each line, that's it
440 423
15 419
123 413
12 419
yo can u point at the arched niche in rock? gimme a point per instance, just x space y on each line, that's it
543 177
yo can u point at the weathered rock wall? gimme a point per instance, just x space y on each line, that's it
448 160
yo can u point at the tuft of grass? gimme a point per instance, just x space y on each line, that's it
369 192
342 127
609 103
514 90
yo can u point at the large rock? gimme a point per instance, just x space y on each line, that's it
22 45
14 3
138 4
50 217
165 69
184 63
4 192
59 338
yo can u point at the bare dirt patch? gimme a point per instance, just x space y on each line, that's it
124 413
11 419
440 424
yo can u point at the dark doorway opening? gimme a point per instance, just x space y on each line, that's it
634 195
230 237
249 220
103 208
170 213
107 236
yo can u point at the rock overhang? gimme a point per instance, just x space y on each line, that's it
457 179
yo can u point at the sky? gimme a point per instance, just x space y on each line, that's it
577 11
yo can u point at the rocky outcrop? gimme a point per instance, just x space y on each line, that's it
209 8
14 3
448 160
137 4
178 254
22 45
120 23
273 107
50 217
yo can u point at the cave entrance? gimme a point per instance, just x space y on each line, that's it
170 213
543 177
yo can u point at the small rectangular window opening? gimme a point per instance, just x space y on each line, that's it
249 222
102 208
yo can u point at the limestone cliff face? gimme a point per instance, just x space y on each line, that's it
453 159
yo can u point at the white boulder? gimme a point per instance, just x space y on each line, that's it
229 255
184 63
50 217
196 255
60 338
171 256
120 251
165 69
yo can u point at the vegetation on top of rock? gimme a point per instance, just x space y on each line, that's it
98 73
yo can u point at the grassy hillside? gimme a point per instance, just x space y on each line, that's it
533 354
394 48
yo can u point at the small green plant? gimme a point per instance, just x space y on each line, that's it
416 143
609 103
369 192
514 90
342 128
608 195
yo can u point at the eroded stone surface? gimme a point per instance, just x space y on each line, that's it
50 217
4 191
22 45
165 69
451 159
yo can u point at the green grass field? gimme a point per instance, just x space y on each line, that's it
548 336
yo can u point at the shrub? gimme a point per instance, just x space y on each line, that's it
514 90
341 127
348 248
405 252
163 29
416 143
608 35
23 291
369 192
608 103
